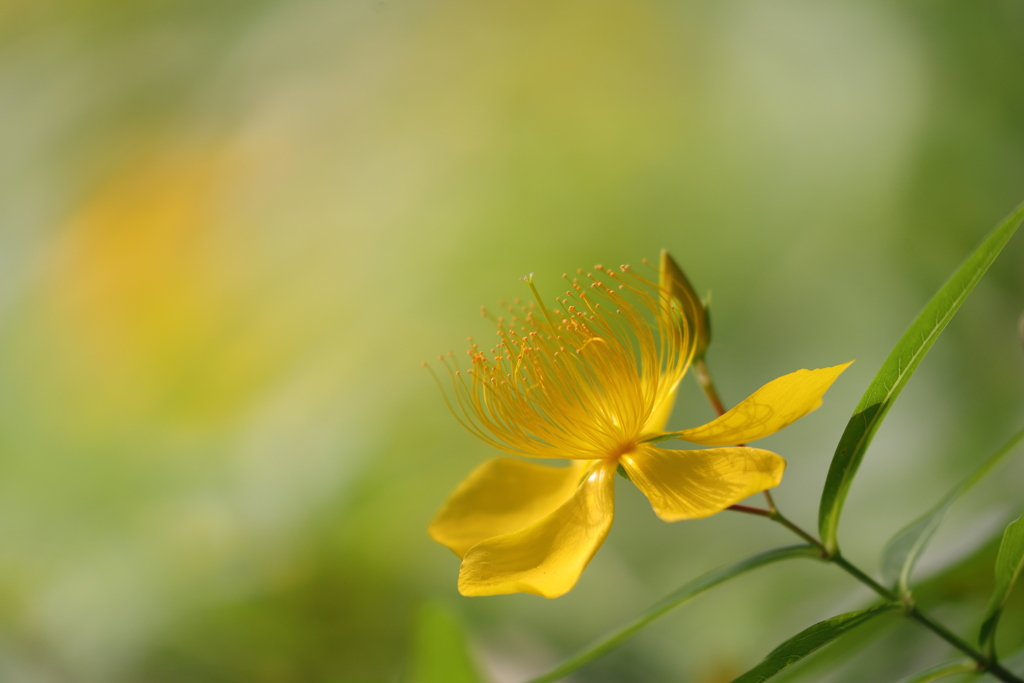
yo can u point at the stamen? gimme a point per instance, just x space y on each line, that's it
524 400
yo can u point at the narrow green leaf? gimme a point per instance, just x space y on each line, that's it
673 600
897 369
439 653
906 547
1009 563
942 670
809 640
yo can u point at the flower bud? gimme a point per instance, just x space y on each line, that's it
696 313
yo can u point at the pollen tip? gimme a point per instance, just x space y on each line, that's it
425 364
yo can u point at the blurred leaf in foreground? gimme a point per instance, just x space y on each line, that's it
938 671
906 547
439 653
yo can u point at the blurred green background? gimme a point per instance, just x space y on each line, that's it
231 231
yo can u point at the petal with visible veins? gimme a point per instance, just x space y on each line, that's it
693 484
772 407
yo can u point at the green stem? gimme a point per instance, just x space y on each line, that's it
673 600
777 516
985 664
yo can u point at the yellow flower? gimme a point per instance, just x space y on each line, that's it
594 381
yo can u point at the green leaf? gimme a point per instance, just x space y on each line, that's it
1009 563
903 551
439 653
673 600
897 369
942 670
809 640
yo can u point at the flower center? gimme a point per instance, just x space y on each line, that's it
623 449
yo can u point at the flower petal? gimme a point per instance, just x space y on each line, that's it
694 484
662 411
547 557
501 496
769 409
